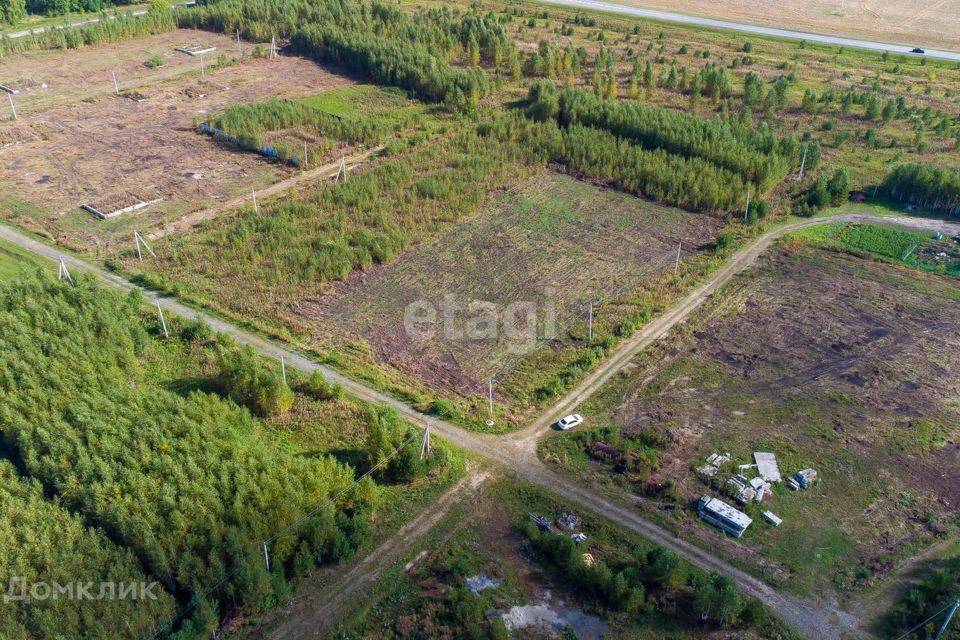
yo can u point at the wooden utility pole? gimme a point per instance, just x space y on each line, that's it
12 108
676 265
116 87
256 210
803 163
266 557
746 209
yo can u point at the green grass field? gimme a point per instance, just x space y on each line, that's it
14 261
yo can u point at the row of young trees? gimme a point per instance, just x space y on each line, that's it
756 153
376 40
927 185
158 19
188 483
393 62
249 123
686 181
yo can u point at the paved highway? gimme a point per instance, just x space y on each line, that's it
669 16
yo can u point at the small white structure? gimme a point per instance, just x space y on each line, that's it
579 538
772 518
723 516
767 466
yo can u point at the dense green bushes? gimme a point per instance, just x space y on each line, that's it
824 192
250 122
250 383
755 154
45 544
927 185
188 483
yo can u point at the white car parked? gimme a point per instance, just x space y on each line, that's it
570 421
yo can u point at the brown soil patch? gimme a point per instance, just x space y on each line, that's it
107 148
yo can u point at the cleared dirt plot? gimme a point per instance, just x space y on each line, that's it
912 23
828 360
112 151
507 280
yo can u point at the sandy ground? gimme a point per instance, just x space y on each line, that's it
911 22
109 150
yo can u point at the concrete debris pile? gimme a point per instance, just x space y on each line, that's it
714 462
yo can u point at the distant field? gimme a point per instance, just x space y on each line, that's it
933 24
552 241
828 360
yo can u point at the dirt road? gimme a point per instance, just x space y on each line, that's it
312 615
517 452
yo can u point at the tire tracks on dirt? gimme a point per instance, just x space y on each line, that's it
313 614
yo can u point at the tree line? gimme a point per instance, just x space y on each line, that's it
158 19
755 153
927 185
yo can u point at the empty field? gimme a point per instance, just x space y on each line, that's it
553 243
911 23
111 150
830 361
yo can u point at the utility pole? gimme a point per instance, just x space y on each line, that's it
746 209
239 46
490 400
266 557
163 323
201 68
63 272
12 108
425 443
116 87
283 370
342 171
803 162
676 265
946 623
256 210
138 239
305 154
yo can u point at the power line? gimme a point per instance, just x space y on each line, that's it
948 605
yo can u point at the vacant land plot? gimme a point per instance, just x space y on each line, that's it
830 361
912 23
553 244
111 151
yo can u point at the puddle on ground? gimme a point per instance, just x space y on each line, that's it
555 616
